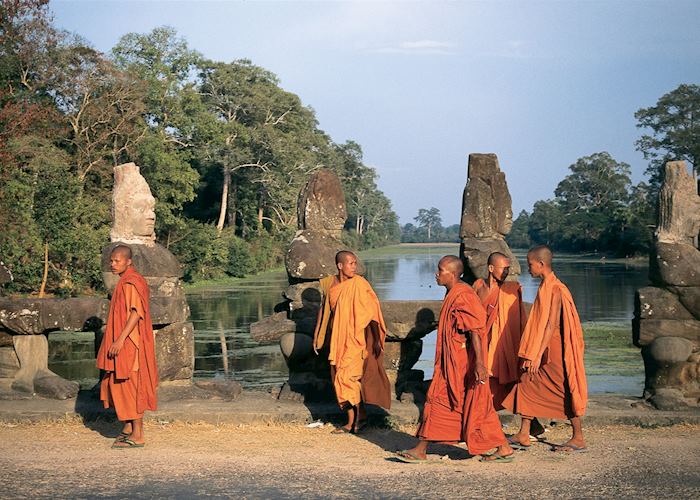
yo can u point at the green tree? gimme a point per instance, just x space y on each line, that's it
518 236
675 131
429 218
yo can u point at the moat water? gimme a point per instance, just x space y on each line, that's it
603 291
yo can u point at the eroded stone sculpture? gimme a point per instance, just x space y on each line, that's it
487 216
133 224
667 314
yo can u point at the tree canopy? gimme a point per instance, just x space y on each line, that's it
224 148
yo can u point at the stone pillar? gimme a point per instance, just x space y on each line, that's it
487 217
666 323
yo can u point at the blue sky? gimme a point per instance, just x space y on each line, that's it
420 85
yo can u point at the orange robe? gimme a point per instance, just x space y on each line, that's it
131 378
454 409
560 389
506 317
358 374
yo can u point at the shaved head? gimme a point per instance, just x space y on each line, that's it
342 256
542 253
122 250
453 263
495 257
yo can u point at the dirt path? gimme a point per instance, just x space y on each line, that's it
69 459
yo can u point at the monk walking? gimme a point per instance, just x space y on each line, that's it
505 320
553 379
356 345
459 406
127 353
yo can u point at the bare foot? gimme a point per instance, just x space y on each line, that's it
521 439
416 452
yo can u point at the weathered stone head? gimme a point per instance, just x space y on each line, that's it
133 207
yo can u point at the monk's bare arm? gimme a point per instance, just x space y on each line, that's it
480 371
128 328
553 324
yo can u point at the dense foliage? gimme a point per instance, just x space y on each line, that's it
223 147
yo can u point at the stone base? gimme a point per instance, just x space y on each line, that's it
174 345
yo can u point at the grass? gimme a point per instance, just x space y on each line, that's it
609 350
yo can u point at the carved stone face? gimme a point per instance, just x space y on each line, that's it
142 215
133 207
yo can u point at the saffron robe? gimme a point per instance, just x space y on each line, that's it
321 332
358 374
560 389
506 318
131 377
461 312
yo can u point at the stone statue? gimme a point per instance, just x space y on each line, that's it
133 224
667 315
133 207
487 216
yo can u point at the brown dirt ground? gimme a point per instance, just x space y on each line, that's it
72 459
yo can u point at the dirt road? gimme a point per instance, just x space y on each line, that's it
72 459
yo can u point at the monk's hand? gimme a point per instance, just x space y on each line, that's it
481 373
115 348
534 367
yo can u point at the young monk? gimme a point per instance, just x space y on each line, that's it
127 353
356 346
459 406
553 379
505 320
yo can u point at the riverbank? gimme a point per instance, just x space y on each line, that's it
70 459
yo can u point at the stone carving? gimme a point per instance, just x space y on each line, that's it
311 256
487 216
133 207
666 324
133 224
321 215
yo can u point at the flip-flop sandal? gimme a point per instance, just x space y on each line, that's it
516 445
342 430
494 457
569 448
409 458
122 436
119 444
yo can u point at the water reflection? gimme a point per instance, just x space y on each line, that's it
604 292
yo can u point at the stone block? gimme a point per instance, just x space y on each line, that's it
38 316
659 303
167 310
149 261
406 319
476 252
227 389
689 297
296 347
321 203
311 255
302 295
9 363
174 346
271 329
675 264
669 399
670 349
650 329
55 387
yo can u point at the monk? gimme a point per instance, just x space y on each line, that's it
459 405
505 320
127 354
553 380
351 314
